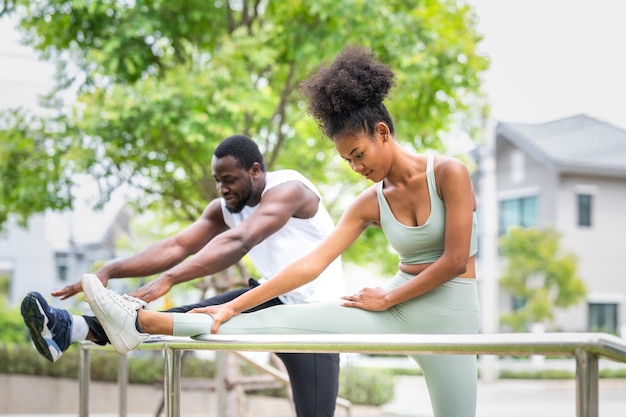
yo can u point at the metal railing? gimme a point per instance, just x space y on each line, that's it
586 348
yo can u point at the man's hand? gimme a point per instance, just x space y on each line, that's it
73 289
153 290
371 299
220 314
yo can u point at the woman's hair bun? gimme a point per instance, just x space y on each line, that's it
354 79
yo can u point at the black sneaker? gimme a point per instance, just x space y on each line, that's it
50 328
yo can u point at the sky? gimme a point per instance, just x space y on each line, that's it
554 58
22 76
549 59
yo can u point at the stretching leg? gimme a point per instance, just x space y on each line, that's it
452 383
98 335
452 308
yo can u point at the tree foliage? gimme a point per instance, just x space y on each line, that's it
11 322
538 274
154 85
32 168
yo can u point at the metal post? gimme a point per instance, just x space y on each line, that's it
172 381
587 348
83 381
221 360
122 381
488 273
586 384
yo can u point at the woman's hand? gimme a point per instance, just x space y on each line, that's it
220 314
371 299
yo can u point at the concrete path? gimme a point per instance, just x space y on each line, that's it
513 398
505 398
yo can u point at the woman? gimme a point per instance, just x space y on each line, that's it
424 204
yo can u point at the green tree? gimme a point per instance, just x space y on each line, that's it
11 323
154 85
538 274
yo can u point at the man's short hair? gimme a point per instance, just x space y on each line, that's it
243 149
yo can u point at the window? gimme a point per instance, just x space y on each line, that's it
584 209
62 262
62 273
518 302
523 212
603 317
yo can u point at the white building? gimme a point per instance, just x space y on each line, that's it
57 248
570 174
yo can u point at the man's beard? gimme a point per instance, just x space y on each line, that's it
246 194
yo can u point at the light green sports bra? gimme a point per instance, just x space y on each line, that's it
420 244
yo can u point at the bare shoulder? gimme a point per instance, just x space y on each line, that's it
213 208
369 194
448 166
213 212
291 198
365 206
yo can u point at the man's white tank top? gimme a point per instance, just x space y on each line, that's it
294 240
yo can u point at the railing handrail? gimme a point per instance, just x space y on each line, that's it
587 348
557 344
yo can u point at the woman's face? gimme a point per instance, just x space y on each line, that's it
365 154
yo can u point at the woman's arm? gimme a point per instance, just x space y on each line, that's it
355 219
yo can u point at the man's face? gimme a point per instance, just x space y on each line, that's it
233 183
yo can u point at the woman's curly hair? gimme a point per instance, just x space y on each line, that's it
347 96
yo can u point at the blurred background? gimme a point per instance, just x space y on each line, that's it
110 111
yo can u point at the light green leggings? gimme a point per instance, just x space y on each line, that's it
449 309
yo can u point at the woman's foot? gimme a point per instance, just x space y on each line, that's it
117 314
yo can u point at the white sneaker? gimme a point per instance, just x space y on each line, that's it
117 314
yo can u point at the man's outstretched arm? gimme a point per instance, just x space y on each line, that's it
277 206
161 255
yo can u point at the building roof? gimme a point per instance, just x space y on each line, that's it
579 144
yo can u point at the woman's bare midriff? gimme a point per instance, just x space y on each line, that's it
415 269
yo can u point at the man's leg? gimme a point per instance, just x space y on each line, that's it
50 328
53 330
314 381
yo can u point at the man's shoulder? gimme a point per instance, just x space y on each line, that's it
281 176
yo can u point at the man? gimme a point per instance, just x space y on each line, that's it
274 217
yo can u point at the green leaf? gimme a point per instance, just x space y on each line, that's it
159 83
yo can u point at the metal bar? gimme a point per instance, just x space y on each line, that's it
587 348
220 382
171 385
122 381
561 344
587 391
84 369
